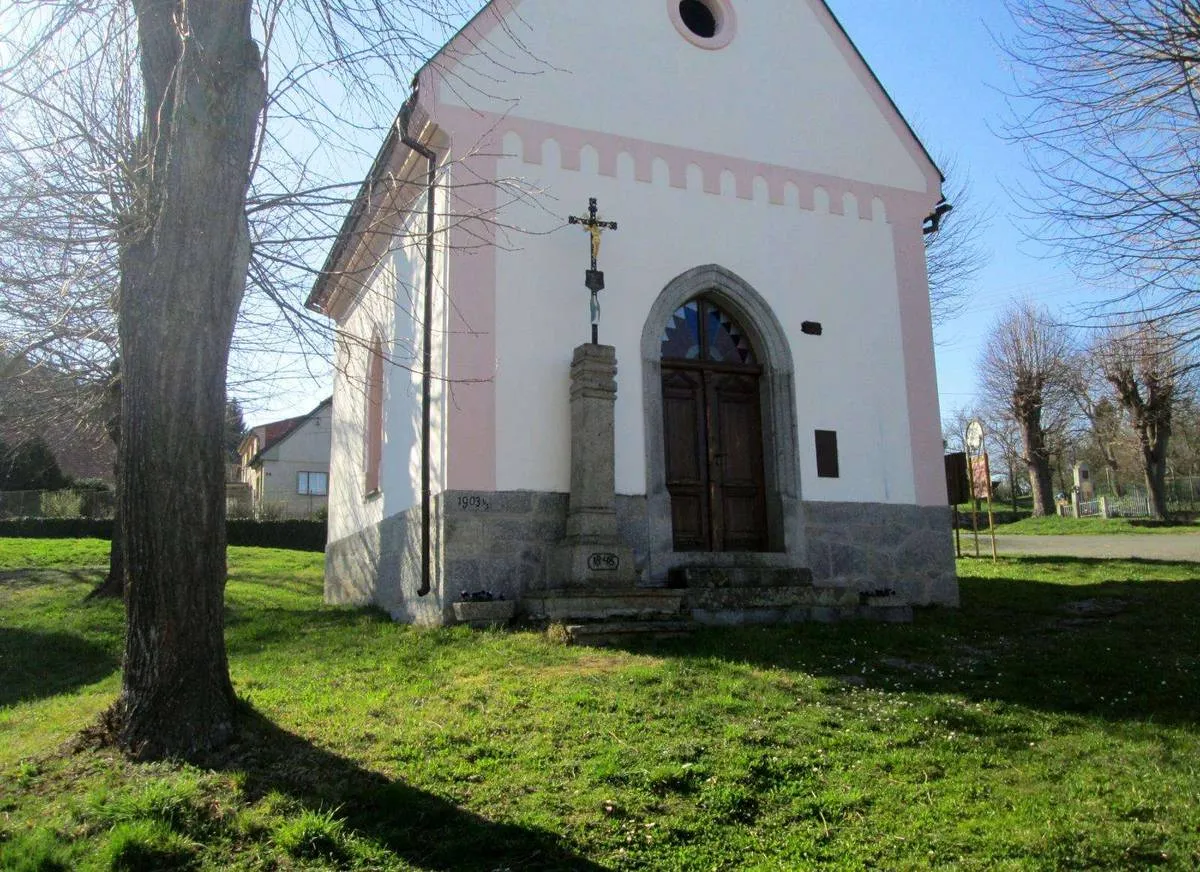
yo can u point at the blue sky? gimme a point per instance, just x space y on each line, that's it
940 61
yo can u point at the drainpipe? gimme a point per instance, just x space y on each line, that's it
426 334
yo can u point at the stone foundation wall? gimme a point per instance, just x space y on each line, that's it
501 542
873 546
382 566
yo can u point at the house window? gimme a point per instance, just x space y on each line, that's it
313 484
698 18
373 447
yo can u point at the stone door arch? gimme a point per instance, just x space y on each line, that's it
784 524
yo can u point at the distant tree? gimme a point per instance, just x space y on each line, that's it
1103 422
1005 448
30 465
954 429
1108 111
1184 454
1148 376
235 429
1024 370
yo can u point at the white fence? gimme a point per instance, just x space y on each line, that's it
1129 506
1135 505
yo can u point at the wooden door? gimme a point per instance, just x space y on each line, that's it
712 436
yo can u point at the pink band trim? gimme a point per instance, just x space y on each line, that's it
924 415
471 343
537 137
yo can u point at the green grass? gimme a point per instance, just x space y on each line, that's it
1056 526
53 553
1049 723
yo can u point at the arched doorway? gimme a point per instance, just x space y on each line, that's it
712 431
785 537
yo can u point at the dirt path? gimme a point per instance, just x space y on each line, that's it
1185 546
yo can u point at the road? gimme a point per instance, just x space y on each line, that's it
1184 546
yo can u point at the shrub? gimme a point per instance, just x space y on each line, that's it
61 504
92 484
30 466
295 534
56 528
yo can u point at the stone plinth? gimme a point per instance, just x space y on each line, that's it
484 614
592 553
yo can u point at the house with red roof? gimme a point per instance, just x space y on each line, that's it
285 464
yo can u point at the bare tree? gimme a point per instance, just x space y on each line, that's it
1148 377
1109 116
176 227
954 253
1024 374
1101 418
1005 449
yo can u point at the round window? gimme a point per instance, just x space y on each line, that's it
706 23
698 18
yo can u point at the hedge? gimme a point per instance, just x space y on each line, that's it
293 534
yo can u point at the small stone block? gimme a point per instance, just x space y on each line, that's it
484 614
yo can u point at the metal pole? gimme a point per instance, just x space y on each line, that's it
974 499
987 471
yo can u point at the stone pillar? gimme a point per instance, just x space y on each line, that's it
592 554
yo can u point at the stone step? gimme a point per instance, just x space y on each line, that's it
739 576
572 606
800 596
895 614
601 634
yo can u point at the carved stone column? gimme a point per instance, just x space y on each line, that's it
592 554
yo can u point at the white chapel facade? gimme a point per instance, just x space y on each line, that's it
766 301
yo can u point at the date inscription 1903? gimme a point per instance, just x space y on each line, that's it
473 503
604 562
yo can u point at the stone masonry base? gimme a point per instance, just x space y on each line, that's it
503 543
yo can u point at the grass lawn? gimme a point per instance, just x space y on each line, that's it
1056 526
1049 723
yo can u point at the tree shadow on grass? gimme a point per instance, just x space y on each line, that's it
35 665
1120 650
34 577
423 829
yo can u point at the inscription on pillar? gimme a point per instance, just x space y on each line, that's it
603 562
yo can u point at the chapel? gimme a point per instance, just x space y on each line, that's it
633 325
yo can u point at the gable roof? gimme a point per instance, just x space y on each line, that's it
479 25
278 432
473 33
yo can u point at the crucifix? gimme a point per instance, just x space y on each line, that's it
594 278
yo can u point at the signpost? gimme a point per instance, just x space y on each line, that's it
975 443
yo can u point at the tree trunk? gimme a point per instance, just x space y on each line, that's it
1153 442
113 585
1038 462
182 277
